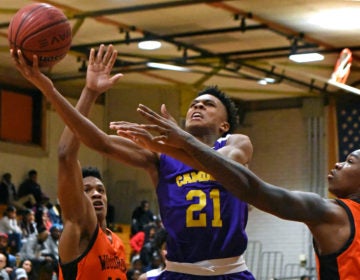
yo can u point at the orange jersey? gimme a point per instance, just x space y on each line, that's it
102 260
344 264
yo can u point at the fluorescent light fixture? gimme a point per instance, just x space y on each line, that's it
262 82
149 45
306 57
269 80
167 66
266 81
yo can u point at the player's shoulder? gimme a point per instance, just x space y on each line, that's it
238 139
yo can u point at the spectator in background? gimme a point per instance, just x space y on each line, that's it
136 243
7 189
26 265
3 272
52 246
149 250
42 218
31 186
4 244
33 250
54 213
135 275
27 224
141 217
158 261
8 194
9 225
21 274
135 269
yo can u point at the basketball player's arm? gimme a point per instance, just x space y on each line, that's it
77 211
112 146
163 136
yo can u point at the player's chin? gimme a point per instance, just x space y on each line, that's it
100 209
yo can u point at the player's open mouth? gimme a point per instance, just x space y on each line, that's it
196 116
98 205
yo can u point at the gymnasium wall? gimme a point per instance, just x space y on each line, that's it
19 159
281 158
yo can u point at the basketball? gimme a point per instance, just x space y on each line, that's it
43 30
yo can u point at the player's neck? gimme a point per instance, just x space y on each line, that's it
208 139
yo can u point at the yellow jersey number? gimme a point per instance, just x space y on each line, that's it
201 220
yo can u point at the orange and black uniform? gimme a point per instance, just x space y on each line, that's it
344 264
102 260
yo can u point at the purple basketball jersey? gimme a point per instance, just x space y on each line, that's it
203 220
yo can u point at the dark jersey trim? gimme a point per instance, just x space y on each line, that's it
328 263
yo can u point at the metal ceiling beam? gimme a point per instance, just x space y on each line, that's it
170 38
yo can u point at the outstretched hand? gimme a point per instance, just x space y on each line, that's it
98 75
159 136
30 73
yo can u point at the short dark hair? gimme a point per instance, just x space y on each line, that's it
231 108
10 208
144 202
32 172
160 238
6 176
91 171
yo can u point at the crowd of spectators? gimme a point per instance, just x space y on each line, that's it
30 228
147 241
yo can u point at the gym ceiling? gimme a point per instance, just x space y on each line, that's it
233 44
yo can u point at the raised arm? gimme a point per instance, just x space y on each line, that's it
78 214
99 67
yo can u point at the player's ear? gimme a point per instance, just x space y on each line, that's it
224 127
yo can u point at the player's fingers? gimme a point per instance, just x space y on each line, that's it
122 124
161 138
108 55
155 128
35 62
165 113
129 134
115 78
14 57
151 116
100 54
92 56
112 58
21 59
148 110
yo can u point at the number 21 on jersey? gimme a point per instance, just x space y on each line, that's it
196 208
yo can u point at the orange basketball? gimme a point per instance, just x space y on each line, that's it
43 30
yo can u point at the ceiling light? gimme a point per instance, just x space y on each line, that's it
266 80
262 82
167 66
306 57
270 80
149 45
